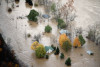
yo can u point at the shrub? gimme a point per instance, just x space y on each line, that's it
66 46
29 2
61 24
62 56
57 51
47 56
81 39
9 10
68 62
53 7
48 28
40 51
33 15
60 21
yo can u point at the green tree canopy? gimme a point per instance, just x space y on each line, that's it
82 40
33 15
66 46
53 7
48 28
61 23
68 62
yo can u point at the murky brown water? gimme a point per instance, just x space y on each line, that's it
14 30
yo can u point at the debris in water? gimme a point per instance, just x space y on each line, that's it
90 52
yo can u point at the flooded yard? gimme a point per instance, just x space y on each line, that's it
15 30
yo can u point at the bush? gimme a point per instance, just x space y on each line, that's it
57 51
53 7
62 56
29 2
66 46
35 4
9 10
40 51
68 62
81 39
61 24
48 29
33 15
47 56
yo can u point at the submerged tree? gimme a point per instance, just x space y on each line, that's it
66 45
34 45
62 55
82 40
61 24
68 62
48 29
57 51
40 51
33 15
63 38
53 8
29 2
76 42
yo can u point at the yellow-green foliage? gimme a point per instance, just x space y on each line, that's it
40 51
34 45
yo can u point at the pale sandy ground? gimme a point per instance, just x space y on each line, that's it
14 31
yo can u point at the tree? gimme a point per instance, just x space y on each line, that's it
76 42
66 46
34 45
81 39
68 62
57 51
63 38
29 2
61 24
62 56
47 57
40 51
53 7
33 15
48 28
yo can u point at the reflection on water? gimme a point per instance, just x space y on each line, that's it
16 30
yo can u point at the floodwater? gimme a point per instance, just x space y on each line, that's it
15 30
